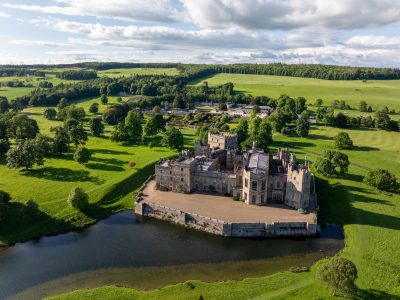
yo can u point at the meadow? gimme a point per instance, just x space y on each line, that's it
107 178
138 71
377 93
371 222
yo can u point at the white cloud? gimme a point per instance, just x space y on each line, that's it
132 10
4 15
38 43
289 14
373 41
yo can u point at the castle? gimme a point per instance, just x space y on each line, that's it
253 176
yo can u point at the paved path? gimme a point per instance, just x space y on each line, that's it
223 208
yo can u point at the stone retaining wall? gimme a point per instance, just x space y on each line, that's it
218 227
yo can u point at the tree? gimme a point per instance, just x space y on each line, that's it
363 107
62 104
4 197
96 127
343 141
264 135
173 138
254 125
22 127
382 119
154 125
302 125
61 140
340 120
94 108
156 109
119 99
50 113
42 143
4 146
76 132
319 102
332 163
278 119
339 273
300 105
133 123
4 105
104 99
24 155
120 133
82 155
78 198
382 180
242 131
325 115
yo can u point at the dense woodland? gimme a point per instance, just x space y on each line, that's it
196 71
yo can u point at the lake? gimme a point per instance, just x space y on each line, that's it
145 253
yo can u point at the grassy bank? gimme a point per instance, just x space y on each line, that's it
377 93
371 221
107 178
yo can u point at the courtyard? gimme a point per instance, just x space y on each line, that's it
223 208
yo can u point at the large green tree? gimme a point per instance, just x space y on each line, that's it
82 155
382 180
133 123
242 131
76 132
96 127
339 274
332 163
22 127
264 135
173 138
302 125
25 154
343 141
78 198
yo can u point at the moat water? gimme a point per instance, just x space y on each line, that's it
145 253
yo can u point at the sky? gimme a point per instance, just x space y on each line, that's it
342 32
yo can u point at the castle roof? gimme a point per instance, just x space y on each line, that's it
258 162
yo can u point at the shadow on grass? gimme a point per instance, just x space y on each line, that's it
337 206
108 151
26 221
109 161
106 205
364 148
61 174
104 167
375 295
293 144
318 137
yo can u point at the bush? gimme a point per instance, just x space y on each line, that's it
382 180
82 155
131 164
343 141
4 197
78 198
152 145
4 146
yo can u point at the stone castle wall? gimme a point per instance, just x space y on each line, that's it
219 227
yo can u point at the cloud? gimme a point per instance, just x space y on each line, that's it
373 41
131 10
38 43
4 15
290 14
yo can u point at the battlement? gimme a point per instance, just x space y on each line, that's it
222 140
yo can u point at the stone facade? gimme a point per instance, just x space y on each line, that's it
219 227
253 176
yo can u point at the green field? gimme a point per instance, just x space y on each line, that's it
371 222
107 178
376 93
138 71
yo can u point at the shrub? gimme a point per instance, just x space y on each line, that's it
343 141
131 164
4 146
152 145
382 180
82 155
4 197
78 198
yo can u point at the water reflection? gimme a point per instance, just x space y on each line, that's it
114 250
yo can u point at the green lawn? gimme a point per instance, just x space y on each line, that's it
138 71
377 93
107 178
371 222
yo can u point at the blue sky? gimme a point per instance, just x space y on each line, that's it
345 32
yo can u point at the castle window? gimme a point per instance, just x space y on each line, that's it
181 179
245 196
278 184
181 169
263 185
253 199
246 182
170 172
254 185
